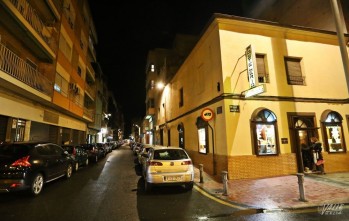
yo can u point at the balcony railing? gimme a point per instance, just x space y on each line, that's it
89 113
16 67
34 20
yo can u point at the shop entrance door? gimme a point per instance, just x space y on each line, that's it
302 129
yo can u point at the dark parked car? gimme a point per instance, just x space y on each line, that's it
28 165
94 153
79 154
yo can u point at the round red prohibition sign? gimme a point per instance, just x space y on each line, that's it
207 114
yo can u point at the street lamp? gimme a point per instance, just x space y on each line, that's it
139 132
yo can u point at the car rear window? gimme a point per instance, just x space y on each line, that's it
170 154
14 150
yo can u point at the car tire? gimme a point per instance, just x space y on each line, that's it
147 186
69 171
76 166
37 184
189 186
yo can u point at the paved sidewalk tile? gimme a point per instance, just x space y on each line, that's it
280 192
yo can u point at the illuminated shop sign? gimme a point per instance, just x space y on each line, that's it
251 66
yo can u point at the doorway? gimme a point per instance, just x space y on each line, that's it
302 129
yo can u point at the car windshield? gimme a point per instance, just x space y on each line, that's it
170 154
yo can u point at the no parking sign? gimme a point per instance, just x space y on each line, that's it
207 114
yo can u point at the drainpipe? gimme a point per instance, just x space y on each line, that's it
341 40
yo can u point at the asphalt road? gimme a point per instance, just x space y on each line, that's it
109 190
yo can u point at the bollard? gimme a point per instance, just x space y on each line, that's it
225 183
301 187
201 167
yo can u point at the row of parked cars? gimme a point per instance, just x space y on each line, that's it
29 165
163 165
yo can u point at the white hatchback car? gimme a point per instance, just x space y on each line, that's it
168 166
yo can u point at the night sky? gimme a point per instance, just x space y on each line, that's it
127 30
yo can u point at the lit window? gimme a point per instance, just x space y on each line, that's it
264 133
333 136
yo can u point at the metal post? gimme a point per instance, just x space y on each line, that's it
225 183
301 187
201 167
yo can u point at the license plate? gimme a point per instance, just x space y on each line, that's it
172 178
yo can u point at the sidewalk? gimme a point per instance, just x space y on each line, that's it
280 192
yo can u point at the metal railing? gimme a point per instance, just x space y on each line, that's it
16 67
33 19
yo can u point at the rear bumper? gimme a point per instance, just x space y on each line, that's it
170 178
10 185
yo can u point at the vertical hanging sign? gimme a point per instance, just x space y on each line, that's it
251 66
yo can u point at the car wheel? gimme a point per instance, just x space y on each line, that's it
69 171
86 162
76 167
37 184
189 186
147 186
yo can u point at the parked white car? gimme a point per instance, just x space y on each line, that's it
168 166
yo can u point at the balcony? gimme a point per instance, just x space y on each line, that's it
16 69
23 20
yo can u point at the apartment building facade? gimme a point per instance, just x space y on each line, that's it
49 88
251 93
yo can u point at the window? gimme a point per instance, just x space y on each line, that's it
263 76
180 129
294 71
264 133
202 127
151 103
65 47
181 99
333 132
61 85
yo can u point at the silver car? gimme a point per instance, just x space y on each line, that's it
168 166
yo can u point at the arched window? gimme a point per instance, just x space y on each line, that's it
331 123
264 132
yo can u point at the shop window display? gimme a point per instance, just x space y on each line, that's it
266 139
333 132
264 124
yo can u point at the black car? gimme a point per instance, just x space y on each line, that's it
79 154
28 165
94 153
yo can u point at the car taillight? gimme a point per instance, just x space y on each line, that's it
187 162
24 162
154 163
